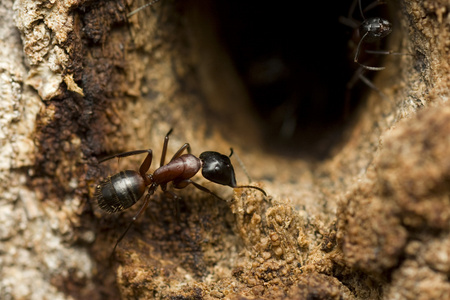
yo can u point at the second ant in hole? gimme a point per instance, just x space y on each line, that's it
370 30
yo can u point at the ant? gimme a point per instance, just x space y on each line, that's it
369 30
122 190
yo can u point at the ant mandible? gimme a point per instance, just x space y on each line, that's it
370 30
122 190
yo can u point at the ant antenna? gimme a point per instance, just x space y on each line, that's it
360 10
355 59
141 8
246 173
241 164
251 187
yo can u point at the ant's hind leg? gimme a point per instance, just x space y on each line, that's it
124 154
141 210
145 166
372 86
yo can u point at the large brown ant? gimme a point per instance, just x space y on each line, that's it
122 190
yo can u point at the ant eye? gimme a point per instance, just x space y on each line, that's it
218 168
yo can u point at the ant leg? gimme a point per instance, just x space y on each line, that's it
164 150
175 197
180 151
250 187
145 166
246 173
380 52
177 154
124 154
241 164
358 50
176 200
360 10
359 74
355 78
352 10
371 85
142 7
350 84
386 52
184 183
151 190
372 5
348 22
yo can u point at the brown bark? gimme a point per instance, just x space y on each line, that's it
369 218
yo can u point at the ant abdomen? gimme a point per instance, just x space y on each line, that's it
120 191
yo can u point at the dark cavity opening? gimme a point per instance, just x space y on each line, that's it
296 64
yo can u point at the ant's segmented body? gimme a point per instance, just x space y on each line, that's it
122 190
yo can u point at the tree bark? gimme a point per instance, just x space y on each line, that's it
368 218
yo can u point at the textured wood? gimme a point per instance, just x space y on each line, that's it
370 220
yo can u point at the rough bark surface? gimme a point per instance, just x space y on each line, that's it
79 80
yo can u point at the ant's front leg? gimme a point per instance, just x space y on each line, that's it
164 150
181 150
177 154
181 184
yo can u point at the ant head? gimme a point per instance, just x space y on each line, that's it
217 168
375 29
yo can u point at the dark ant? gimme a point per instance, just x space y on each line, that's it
122 190
369 30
